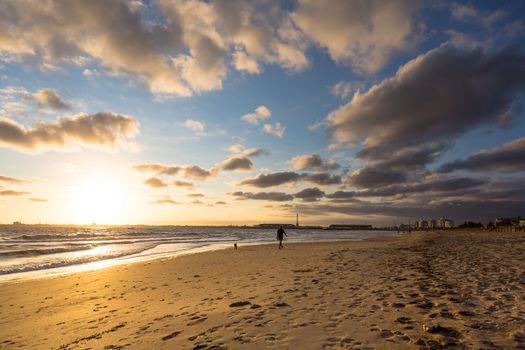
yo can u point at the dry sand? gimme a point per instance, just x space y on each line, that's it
352 295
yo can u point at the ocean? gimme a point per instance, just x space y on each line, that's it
34 251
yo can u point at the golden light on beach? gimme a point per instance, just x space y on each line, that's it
98 200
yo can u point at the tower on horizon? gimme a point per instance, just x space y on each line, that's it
297 220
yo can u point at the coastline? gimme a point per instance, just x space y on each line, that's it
360 294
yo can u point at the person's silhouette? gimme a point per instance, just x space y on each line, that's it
280 236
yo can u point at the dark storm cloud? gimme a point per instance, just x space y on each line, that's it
509 157
322 179
458 210
237 164
437 184
372 177
407 158
310 194
267 196
439 95
431 183
272 179
313 161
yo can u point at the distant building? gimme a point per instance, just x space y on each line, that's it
509 221
445 223
522 222
422 224
432 223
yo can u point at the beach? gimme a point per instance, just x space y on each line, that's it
453 289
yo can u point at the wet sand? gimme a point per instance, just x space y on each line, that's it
467 289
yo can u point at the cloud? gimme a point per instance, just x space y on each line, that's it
261 32
372 177
241 150
275 129
155 183
342 195
48 98
187 184
343 89
310 194
40 200
190 171
198 173
386 211
364 34
272 179
160 169
509 157
261 113
437 96
194 125
220 203
243 62
165 200
408 158
237 164
428 189
13 193
12 180
313 161
430 183
323 179
467 12
57 33
254 152
236 148
266 196
195 195
102 130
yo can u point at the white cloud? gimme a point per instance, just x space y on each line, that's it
275 129
194 125
364 34
101 130
243 62
261 113
343 89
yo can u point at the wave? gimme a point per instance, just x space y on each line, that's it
45 251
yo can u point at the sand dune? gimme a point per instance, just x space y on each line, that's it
454 290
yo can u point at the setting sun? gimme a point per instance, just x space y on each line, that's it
98 200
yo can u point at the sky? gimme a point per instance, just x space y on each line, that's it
244 112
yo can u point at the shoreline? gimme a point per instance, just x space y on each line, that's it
467 287
142 257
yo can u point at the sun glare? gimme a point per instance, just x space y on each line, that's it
98 200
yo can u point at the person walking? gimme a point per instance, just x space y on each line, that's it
280 236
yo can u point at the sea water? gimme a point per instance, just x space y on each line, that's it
33 251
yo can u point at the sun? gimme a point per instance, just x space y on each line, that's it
99 200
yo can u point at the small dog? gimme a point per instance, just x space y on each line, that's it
235 246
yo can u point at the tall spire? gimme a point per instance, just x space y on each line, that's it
297 221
